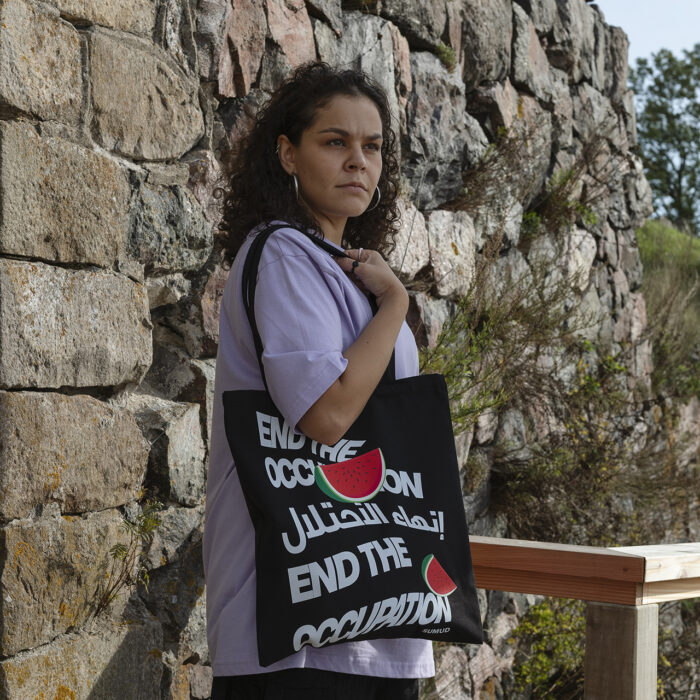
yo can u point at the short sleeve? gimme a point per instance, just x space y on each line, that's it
300 326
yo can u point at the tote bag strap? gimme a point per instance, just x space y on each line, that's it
250 279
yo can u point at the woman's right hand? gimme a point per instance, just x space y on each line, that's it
374 274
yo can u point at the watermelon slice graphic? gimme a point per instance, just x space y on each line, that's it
436 577
355 480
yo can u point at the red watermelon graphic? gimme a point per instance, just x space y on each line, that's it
355 480
436 577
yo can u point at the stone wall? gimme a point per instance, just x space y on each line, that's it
113 115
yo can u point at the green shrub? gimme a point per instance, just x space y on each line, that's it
128 559
550 643
660 245
447 56
671 261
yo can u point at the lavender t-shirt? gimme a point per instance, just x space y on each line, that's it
308 312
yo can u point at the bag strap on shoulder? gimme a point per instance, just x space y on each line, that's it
250 279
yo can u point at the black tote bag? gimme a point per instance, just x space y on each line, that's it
365 539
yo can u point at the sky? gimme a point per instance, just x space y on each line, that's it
655 24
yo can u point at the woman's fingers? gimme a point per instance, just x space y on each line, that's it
370 268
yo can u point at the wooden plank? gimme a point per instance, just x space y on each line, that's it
558 585
678 589
621 648
665 562
567 560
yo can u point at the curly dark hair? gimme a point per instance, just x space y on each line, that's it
256 189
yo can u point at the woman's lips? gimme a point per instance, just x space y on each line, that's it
353 187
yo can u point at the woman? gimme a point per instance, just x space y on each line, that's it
320 157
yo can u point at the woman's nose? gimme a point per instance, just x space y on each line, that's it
357 159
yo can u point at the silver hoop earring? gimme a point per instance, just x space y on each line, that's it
379 196
296 185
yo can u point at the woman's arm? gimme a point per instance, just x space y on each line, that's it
336 410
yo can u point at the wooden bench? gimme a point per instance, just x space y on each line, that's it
623 587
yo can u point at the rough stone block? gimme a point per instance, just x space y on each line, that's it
176 462
436 140
530 68
562 111
581 250
513 435
411 253
506 275
543 13
243 48
41 62
476 484
195 319
201 678
531 128
52 576
167 289
205 170
452 251
156 117
210 19
427 316
573 47
71 450
638 190
488 34
329 11
176 376
499 218
593 113
62 327
176 596
60 201
616 64
375 46
452 678
588 315
178 526
136 16
496 101
486 425
169 232
290 28
484 665
423 23
104 661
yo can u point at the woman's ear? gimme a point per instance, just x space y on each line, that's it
286 153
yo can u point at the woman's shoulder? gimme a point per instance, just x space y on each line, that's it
288 241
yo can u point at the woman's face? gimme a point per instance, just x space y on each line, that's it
338 160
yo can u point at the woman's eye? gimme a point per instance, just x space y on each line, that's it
372 146
335 142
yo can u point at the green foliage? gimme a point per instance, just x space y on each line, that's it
563 492
678 655
496 169
563 200
447 56
489 350
671 290
366 6
668 126
587 475
491 347
661 245
550 649
128 566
